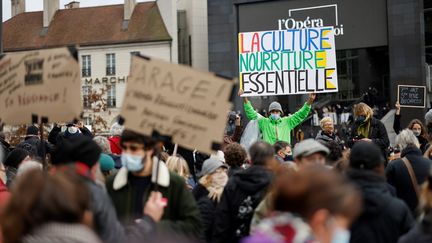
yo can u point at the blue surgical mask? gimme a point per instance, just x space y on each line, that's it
133 163
274 116
341 236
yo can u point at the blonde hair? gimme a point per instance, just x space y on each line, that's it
178 165
206 180
324 120
362 108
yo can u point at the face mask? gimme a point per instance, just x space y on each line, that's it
133 163
416 133
275 116
341 236
289 158
219 179
361 119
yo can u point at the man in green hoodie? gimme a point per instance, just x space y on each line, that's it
275 127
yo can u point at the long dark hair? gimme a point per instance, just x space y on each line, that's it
423 133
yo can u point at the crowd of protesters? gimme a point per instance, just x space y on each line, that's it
129 187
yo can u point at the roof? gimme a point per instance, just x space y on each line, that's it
90 26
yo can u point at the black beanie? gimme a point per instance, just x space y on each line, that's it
366 156
76 149
15 157
32 130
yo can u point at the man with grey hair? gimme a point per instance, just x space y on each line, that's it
410 171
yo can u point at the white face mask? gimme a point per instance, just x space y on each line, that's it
219 179
341 235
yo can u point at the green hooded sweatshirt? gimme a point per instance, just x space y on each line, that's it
279 130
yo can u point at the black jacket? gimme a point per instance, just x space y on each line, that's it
421 233
377 133
384 218
55 136
398 176
39 147
250 183
199 191
207 208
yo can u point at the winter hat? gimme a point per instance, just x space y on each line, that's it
106 162
76 149
72 131
15 157
308 147
365 155
32 130
116 129
275 106
210 165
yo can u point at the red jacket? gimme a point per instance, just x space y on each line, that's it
4 195
115 145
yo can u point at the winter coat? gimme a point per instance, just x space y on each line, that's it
384 218
279 130
39 147
398 176
61 232
397 128
377 133
105 218
324 137
55 136
115 145
244 190
199 191
282 228
421 233
4 195
181 215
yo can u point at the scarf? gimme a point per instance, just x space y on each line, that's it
363 129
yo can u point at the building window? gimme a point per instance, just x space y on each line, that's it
86 90
86 66
111 96
110 65
88 121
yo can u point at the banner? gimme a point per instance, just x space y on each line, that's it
174 100
40 85
284 62
412 96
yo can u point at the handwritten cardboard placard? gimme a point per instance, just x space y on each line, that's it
412 96
39 85
285 62
189 105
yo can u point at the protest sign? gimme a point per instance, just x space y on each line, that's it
412 96
40 86
282 62
188 105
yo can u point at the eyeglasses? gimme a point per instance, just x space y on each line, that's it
132 147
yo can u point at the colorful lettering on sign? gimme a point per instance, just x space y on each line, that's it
291 61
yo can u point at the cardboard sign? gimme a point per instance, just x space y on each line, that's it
40 85
174 100
284 62
412 96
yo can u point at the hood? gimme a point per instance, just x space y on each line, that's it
411 150
253 179
376 194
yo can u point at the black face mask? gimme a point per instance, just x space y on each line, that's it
289 158
360 119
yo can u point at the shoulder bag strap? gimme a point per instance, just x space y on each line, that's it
412 175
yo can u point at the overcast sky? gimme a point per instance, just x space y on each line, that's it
37 5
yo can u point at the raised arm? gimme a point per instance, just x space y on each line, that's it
251 114
298 117
396 121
